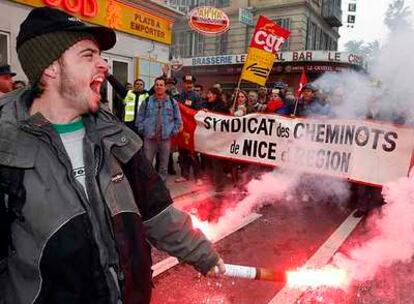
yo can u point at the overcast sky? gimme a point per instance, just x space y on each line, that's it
369 23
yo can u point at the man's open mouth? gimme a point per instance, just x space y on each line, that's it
96 84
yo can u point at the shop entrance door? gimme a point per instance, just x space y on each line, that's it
122 69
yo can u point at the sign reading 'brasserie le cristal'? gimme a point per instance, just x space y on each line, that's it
296 56
117 15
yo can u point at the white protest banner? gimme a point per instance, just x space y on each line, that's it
361 150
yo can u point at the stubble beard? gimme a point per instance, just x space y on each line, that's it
75 93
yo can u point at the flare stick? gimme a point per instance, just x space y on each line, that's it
254 273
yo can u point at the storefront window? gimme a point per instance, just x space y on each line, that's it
120 72
4 48
148 71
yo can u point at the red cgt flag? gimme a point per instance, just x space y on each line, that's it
303 80
185 139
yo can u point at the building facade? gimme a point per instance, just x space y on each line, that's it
312 45
143 30
313 24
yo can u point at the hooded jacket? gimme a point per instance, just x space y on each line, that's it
76 247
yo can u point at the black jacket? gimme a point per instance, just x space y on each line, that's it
82 249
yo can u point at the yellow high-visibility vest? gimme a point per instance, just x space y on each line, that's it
129 102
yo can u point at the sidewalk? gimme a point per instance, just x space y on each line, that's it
180 189
188 192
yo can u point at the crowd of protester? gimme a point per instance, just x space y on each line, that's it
275 99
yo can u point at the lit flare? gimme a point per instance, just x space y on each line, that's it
328 276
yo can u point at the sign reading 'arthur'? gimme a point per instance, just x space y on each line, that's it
208 20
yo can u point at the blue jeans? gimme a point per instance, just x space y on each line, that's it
163 147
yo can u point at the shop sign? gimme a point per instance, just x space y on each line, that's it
297 56
246 16
208 20
117 15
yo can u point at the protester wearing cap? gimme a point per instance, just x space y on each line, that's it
6 85
283 94
188 96
6 79
186 158
85 197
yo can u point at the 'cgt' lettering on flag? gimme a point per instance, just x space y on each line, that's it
266 41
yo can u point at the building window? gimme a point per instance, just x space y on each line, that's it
318 38
4 48
182 44
325 43
222 3
285 23
335 45
148 70
198 44
187 44
181 5
312 36
222 44
205 3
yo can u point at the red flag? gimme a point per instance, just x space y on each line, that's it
303 80
186 138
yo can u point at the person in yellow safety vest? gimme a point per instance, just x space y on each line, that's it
131 99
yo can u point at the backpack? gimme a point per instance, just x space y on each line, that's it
146 101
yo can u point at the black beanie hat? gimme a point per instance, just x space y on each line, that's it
47 33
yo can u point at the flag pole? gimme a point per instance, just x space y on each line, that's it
302 81
296 106
236 94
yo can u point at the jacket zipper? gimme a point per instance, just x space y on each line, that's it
91 231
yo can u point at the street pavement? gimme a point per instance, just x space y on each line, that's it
284 237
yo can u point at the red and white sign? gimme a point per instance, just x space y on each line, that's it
266 41
268 36
208 20
360 150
